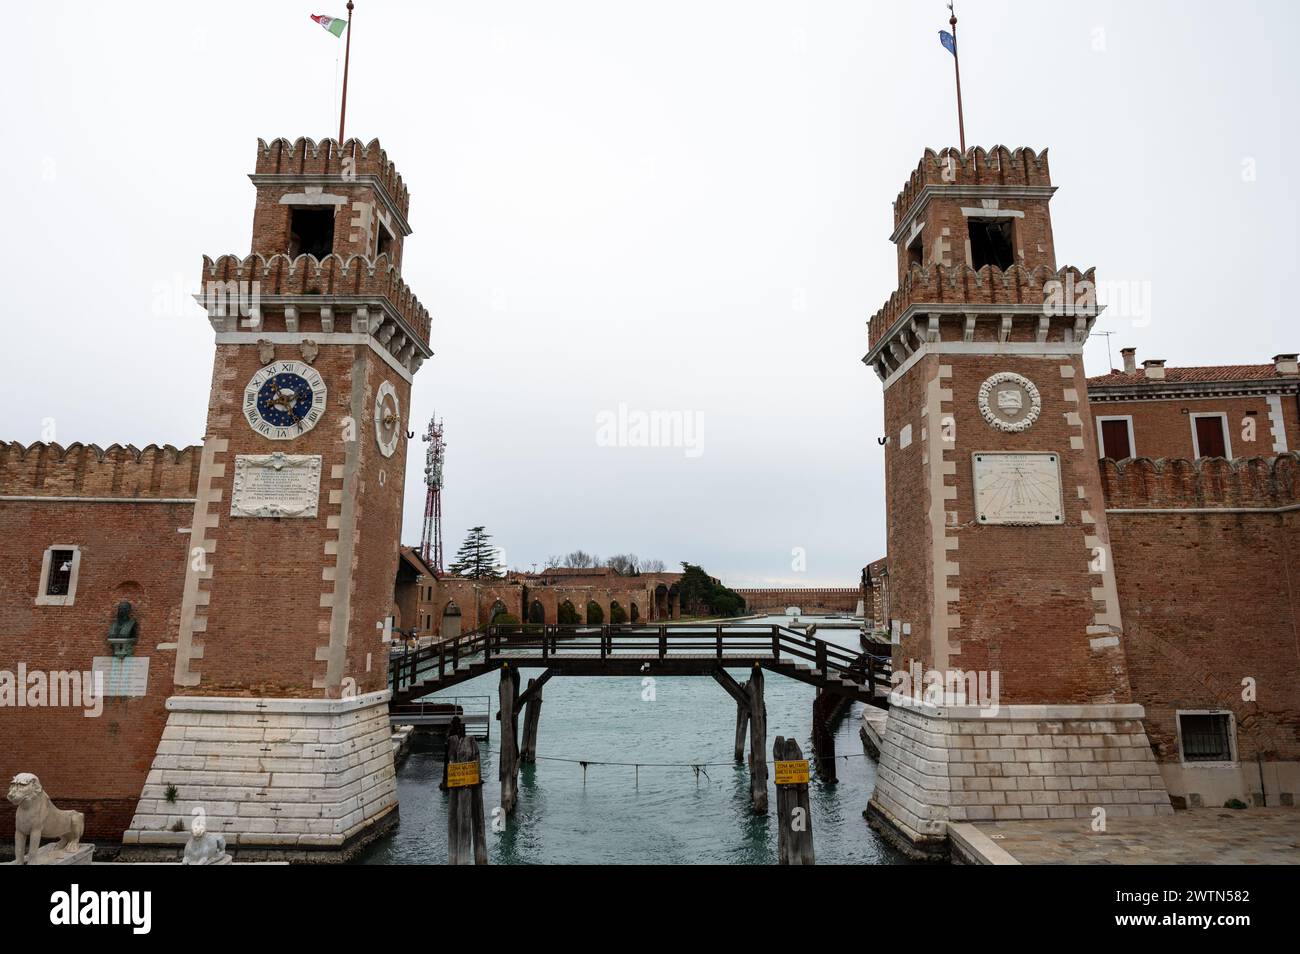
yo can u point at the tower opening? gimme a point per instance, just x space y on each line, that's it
916 253
311 232
992 242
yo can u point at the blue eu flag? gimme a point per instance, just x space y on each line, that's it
949 41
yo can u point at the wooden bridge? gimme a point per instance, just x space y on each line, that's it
681 649
839 675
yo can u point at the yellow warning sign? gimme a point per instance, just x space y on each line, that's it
460 774
792 773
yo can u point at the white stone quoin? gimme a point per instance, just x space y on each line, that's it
941 764
269 773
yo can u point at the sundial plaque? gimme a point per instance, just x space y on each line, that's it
276 485
1018 489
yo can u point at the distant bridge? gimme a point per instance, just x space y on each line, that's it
808 599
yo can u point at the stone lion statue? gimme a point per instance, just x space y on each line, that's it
37 818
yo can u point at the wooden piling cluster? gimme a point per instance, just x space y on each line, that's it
757 744
794 840
532 713
466 834
742 723
825 711
508 773
456 729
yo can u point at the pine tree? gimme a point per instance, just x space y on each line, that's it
477 558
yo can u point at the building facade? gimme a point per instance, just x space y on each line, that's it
1137 616
257 569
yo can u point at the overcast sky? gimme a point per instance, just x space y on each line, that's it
671 206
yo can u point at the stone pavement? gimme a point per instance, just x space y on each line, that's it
1256 836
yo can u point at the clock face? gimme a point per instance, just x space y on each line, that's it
388 419
284 399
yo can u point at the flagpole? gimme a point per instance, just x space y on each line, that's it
956 65
347 55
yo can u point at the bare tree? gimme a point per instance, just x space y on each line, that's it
624 564
652 566
579 559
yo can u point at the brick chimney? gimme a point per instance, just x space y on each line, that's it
1130 356
1154 369
1288 364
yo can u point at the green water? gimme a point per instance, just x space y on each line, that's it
669 815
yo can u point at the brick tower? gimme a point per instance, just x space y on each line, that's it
277 727
1002 584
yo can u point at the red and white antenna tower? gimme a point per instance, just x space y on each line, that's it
431 539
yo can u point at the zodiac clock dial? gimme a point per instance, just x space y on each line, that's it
284 400
388 419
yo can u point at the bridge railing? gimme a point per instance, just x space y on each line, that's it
541 642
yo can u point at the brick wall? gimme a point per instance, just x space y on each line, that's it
1209 594
129 551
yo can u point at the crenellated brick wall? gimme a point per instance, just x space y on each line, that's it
999 166
87 470
1245 482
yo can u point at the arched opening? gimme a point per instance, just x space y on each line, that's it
536 612
450 621
674 601
660 607
617 615
636 612
499 615
567 615
595 614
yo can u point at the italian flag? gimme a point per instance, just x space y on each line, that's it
334 24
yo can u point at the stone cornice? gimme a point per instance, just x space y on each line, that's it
906 326
260 179
966 192
1185 390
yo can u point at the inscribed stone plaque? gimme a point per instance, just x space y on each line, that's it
1018 488
276 485
122 677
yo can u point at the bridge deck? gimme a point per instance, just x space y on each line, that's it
683 650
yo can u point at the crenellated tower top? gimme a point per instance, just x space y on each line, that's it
976 259
322 198
329 227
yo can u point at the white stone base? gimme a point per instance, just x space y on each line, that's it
51 854
270 773
1209 785
941 764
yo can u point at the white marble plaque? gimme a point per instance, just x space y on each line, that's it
1018 488
276 485
122 677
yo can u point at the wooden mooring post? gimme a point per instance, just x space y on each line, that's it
742 724
466 834
456 729
825 711
794 840
509 769
757 743
532 714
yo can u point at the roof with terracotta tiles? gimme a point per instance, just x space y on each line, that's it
1211 374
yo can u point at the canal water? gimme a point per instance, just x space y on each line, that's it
613 814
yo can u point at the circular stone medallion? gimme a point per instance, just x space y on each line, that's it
388 419
1010 402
